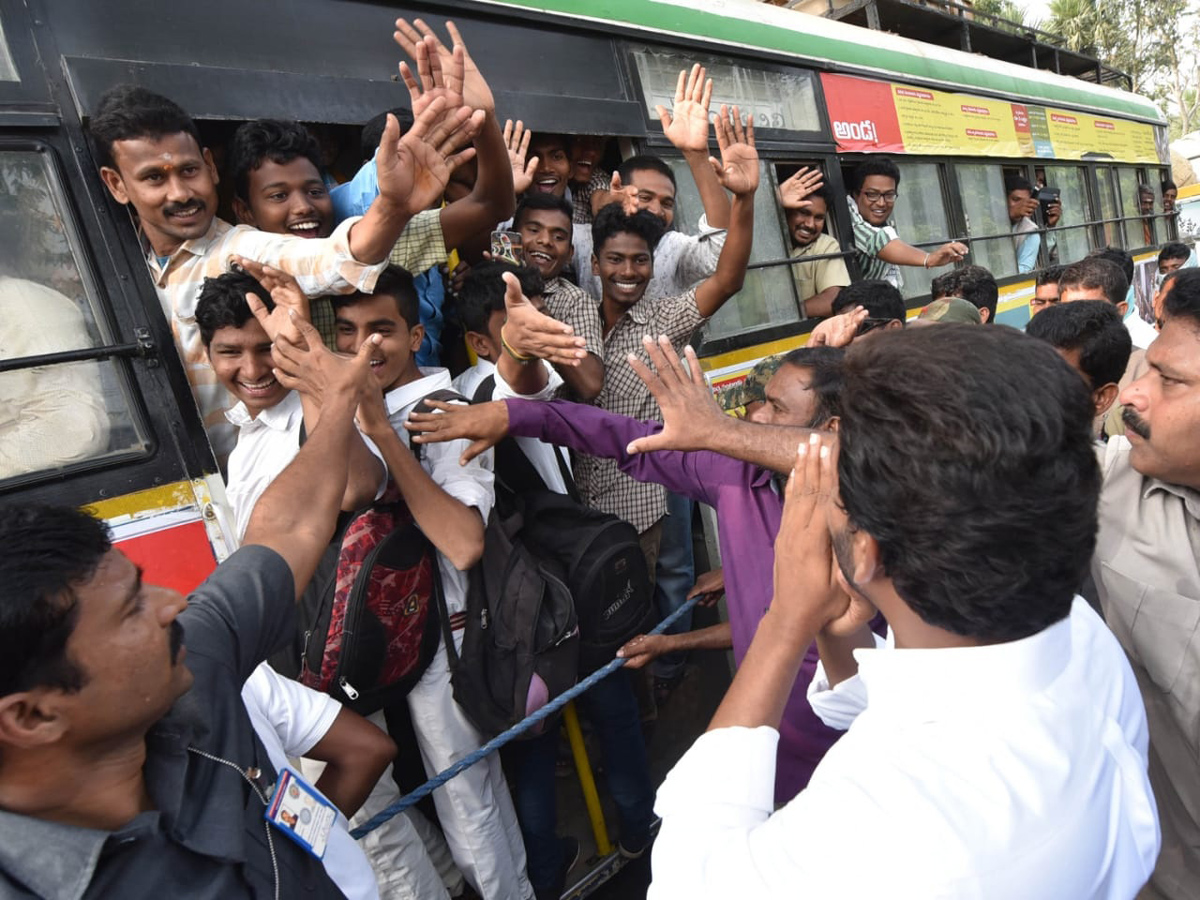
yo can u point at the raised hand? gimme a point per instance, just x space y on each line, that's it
413 170
807 591
686 126
795 191
839 330
529 332
439 77
461 75
689 410
484 424
738 168
285 294
516 138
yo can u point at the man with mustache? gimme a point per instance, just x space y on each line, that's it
152 160
128 764
1147 576
818 281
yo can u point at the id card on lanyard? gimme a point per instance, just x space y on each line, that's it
301 812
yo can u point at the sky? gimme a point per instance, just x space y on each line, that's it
1035 10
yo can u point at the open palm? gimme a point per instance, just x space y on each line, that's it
686 126
414 170
738 169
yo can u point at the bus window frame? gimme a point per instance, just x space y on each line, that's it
32 92
169 452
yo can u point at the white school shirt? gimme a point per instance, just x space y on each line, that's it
680 260
540 454
471 485
1017 770
266 445
290 719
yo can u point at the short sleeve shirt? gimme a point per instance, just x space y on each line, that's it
205 838
575 307
601 483
817 275
869 240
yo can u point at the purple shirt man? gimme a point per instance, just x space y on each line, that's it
748 505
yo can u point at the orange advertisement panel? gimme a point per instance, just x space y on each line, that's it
880 117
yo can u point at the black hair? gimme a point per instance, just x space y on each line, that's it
825 364
482 292
642 163
372 131
1096 273
1169 185
1092 327
222 303
1120 258
967 454
1017 183
538 200
393 282
1184 297
977 286
1174 250
126 112
261 139
612 220
48 551
882 299
874 165
944 285
1048 275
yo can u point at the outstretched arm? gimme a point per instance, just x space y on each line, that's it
692 420
737 171
296 515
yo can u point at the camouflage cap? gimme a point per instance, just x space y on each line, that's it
753 388
951 311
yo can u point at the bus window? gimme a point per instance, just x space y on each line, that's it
776 99
985 205
1137 200
921 220
768 298
52 414
1109 211
1068 241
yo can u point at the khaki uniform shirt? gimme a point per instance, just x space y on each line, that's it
817 275
1147 572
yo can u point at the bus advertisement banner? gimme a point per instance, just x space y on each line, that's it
883 117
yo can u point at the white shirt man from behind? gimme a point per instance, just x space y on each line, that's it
1003 752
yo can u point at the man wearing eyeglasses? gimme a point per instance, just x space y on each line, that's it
880 252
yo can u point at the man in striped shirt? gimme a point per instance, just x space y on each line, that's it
879 250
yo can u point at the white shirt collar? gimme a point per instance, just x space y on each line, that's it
280 417
912 683
398 400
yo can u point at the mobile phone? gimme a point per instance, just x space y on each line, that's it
1046 196
506 245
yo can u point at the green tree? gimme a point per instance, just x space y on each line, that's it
1005 9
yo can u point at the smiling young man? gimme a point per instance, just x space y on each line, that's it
450 504
817 281
152 159
874 188
268 416
1146 570
275 167
544 223
128 764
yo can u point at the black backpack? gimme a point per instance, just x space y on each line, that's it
599 554
520 643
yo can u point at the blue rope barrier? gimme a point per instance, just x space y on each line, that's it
506 736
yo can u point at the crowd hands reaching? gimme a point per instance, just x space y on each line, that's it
907 516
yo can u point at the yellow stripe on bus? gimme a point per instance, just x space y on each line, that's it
168 496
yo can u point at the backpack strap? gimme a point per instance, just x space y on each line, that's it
442 395
519 474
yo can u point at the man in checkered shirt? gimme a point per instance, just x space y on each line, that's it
623 261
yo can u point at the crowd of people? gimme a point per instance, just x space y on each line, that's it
959 562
